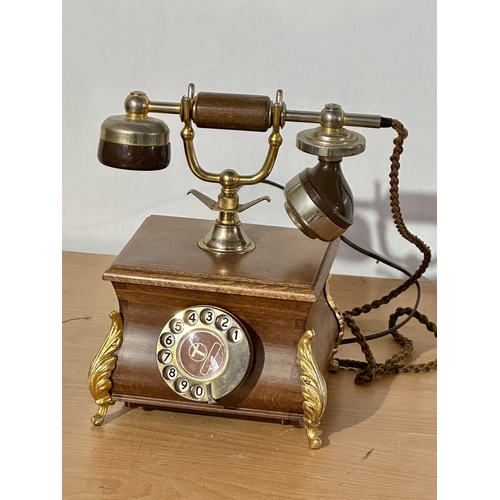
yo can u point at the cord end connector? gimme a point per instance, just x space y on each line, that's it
385 122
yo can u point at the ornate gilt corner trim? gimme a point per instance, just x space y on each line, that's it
340 320
102 366
313 388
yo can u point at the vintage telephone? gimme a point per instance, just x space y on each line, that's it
236 320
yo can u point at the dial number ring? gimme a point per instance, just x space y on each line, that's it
200 357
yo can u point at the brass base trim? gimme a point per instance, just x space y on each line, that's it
313 388
340 321
104 363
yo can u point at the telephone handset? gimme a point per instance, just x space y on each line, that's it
318 200
241 321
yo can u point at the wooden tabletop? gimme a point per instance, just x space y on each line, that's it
379 439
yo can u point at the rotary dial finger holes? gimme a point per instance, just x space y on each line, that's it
203 353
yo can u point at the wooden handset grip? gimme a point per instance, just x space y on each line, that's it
232 111
236 112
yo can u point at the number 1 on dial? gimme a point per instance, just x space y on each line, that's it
234 335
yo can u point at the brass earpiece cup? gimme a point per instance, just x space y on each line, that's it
133 157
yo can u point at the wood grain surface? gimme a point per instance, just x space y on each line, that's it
232 111
379 439
265 289
284 264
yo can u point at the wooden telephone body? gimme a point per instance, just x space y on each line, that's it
276 292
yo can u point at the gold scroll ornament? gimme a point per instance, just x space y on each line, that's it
104 363
313 388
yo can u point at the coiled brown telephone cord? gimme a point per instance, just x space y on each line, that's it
371 370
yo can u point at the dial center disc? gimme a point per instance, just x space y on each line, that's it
202 354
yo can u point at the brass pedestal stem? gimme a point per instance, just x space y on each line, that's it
227 235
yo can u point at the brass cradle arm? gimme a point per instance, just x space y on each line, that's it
229 179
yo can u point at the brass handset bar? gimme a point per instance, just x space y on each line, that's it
289 115
173 108
350 119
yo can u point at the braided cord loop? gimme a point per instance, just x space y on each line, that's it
370 370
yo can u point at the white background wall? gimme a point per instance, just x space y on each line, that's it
95 82
370 57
